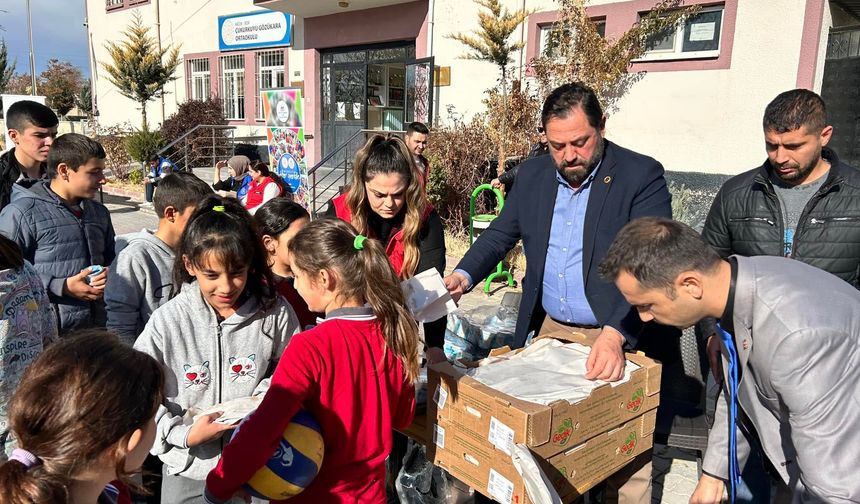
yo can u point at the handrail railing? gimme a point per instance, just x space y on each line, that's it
342 146
344 165
192 130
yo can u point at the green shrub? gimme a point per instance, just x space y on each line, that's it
135 176
143 144
681 201
112 139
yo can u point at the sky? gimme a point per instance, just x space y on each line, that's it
58 32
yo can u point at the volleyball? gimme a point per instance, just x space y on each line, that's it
294 464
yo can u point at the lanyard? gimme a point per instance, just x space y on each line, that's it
732 386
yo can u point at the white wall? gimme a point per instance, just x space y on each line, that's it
190 24
706 120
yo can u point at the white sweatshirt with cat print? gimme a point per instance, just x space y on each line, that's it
206 363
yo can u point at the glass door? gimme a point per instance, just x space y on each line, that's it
344 109
419 91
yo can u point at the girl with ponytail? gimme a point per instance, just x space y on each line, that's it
354 371
84 419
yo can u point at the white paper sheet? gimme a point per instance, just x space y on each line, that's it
545 371
233 410
702 31
427 297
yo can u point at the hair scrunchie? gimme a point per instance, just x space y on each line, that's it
358 243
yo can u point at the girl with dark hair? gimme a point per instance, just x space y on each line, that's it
264 186
218 339
279 220
354 371
84 418
27 326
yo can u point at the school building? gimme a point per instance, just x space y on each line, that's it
369 64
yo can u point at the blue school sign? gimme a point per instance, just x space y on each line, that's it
255 29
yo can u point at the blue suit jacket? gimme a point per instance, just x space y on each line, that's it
628 185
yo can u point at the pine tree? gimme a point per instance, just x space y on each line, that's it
84 98
138 68
7 70
490 43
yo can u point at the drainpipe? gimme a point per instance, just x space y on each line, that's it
522 41
431 13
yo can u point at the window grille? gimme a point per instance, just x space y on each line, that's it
233 85
270 75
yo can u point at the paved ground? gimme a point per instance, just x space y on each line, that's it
675 471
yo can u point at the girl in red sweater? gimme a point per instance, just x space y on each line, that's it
279 220
354 371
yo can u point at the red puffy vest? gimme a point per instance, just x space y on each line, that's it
394 249
255 192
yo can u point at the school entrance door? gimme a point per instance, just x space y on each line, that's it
380 87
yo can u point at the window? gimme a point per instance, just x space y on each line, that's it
697 37
198 78
233 85
121 4
270 75
550 34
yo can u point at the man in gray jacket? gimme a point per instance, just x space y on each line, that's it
790 341
63 231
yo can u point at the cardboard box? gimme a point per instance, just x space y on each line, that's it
484 467
546 429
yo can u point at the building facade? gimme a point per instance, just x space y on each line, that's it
368 64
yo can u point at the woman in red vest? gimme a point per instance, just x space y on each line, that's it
263 187
386 201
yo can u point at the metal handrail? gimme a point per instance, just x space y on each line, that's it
312 175
192 130
342 146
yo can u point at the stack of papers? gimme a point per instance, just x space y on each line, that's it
545 371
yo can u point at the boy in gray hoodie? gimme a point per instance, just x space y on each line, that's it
140 279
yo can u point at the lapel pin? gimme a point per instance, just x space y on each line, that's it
607 179
746 344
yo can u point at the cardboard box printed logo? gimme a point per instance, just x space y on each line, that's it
629 444
635 402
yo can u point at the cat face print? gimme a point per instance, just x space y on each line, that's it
197 377
243 369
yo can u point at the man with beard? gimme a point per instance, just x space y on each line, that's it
567 213
802 202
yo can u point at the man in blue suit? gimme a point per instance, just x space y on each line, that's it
567 208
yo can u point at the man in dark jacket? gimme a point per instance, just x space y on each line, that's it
32 128
63 231
802 202
577 199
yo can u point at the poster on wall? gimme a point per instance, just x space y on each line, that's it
284 114
8 100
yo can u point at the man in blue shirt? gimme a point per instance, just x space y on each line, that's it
567 213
